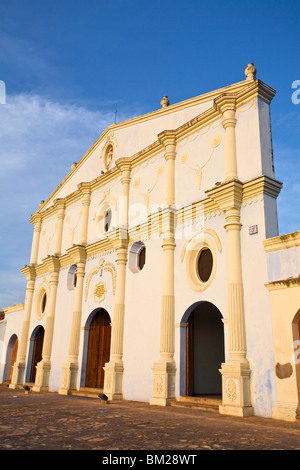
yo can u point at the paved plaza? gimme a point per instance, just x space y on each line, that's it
48 421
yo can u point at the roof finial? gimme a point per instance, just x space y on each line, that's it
250 72
164 102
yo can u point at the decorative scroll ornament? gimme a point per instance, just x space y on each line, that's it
136 183
107 267
215 142
99 292
231 389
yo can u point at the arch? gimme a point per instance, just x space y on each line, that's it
35 352
201 350
11 356
96 348
72 277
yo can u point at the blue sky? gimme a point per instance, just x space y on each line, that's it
69 65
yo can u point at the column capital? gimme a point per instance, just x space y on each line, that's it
59 203
29 272
36 220
168 140
226 105
52 263
225 102
123 164
84 188
228 195
77 253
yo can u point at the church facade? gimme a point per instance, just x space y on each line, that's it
157 272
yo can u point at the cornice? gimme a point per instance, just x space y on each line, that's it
77 253
227 195
29 272
13 308
282 242
261 185
283 284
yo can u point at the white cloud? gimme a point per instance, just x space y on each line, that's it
39 141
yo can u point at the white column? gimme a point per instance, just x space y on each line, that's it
114 369
165 369
70 368
20 364
44 366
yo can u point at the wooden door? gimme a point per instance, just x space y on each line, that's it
14 357
98 349
37 352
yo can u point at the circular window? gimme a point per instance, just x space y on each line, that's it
204 264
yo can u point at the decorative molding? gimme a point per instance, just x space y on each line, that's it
13 308
215 142
241 92
107 267
283 284
282 242
136 183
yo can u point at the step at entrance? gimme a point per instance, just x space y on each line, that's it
88 392
202 402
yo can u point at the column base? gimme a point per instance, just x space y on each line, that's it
113 380
236 397
163 383
286 411
69 379
42 377
241 411
18 374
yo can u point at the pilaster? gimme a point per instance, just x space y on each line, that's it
226 105
20 364
86 201
70 368
37 222
164 370
114 369
60 207
236 396
44 366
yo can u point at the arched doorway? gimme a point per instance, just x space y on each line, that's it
203 344
11 357
35 353
98 348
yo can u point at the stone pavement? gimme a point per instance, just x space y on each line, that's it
48 421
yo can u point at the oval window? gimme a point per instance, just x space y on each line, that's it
107 219
43 304
204 264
